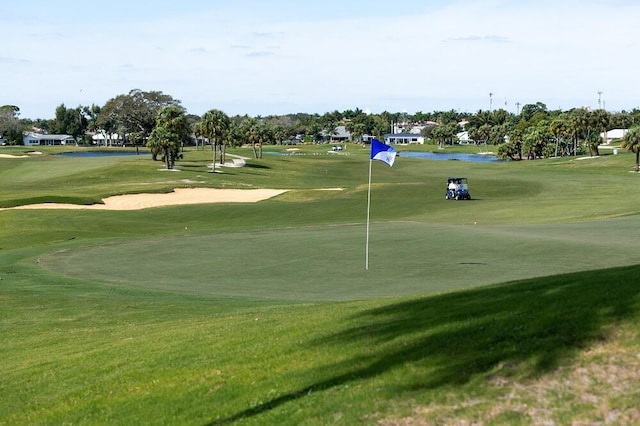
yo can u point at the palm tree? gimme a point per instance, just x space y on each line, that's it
170 130
215 125
598 122
578 125
558 129
196 129
631 142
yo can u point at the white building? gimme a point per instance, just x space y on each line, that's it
106 139
403 138
37 139
613 135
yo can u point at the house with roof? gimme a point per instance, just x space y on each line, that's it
38 139
403 138
107 139
340 134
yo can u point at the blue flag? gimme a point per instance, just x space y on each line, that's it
382 152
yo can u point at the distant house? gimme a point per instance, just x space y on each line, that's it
613 135
340 135
107 139
403 138
37 139
463 137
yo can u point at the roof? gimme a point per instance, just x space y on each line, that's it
402 135
39 136
109 136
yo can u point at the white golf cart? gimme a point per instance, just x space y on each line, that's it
457 189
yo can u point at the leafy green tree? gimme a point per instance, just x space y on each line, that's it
70 121
529 110
631 142
534 142
215 126
134 115
10 126
480 134
445 133
515 137
280 133
167 136
446 117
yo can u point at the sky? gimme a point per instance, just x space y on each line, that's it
274 57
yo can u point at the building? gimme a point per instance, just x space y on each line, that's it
37 139
340 135
107 139
403 138
613 135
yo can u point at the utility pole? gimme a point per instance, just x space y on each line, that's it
517 108
490 101
599 102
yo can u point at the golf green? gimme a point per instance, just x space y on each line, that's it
327 263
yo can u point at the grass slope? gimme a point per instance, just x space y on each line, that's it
262 313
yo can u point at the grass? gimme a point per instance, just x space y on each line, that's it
263 314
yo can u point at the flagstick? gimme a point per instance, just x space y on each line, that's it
366 251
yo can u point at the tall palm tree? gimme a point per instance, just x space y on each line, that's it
631 141
196 129
215 125
598 123
578 125
558 129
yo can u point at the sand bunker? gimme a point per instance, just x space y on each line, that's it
179 197
12 156
20 156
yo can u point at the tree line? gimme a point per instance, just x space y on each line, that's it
158 121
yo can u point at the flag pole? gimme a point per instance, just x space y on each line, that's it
366 250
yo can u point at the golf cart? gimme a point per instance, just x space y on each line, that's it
457 189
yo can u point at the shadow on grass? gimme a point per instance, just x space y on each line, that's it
256 166
521 329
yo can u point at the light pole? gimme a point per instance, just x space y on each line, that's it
599 102
490 101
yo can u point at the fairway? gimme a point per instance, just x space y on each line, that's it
262 312
326 263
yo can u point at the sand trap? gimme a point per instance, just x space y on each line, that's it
20 156
180 196
12 156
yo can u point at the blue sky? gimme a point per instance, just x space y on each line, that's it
283 56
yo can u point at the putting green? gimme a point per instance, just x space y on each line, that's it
328 263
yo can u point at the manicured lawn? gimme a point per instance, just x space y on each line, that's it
516 307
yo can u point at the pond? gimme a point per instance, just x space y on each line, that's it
473 158
90 154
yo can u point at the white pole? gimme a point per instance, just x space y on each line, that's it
366 251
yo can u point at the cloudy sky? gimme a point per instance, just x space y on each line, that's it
262 57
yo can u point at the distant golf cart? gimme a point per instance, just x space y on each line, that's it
457 189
